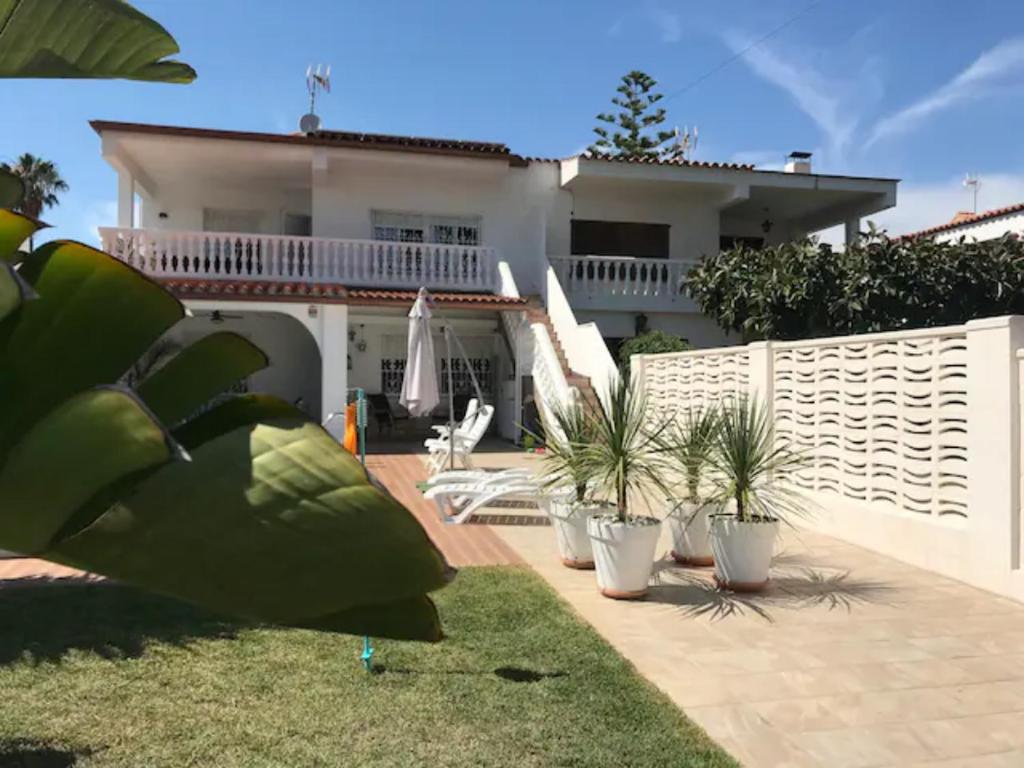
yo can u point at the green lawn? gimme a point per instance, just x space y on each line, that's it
103 675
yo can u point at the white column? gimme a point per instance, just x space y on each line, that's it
993 449
851 230
334 363
125 199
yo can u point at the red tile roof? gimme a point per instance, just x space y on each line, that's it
961 220
678 162
381 296
329 293
377 140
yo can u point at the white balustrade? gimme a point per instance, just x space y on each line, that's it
551 390
242 256
622 281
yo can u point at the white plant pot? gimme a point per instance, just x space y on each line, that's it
690 529
570 524
623 554
743 552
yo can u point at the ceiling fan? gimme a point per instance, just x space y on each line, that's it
218 317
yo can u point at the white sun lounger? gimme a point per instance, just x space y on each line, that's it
464 499
461 442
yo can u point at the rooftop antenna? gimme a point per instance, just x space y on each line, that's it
316 80
973 182
683 143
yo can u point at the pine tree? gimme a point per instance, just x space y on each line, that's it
636 122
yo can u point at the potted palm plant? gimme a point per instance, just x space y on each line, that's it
750 487
626 460
567 483
689 444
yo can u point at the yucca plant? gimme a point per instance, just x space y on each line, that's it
569 431
750 466
689 444
626 452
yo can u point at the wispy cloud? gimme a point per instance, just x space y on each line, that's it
825 100
668 22
992 69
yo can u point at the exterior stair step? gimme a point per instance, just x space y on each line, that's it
536 313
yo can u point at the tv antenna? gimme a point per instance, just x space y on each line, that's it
973 183
317 80
684 143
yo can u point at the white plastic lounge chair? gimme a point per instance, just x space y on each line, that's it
472 409
462 500
474 476
461 442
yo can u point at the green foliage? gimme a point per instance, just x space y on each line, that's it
806 289
86 39
651 343
689 443
749 466
41 183
123 679
12 189
249 508
565 462
632 131
626 453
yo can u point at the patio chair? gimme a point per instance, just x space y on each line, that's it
383 414
453 476
472 407
458 502
460 443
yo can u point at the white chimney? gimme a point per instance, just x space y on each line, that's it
798 162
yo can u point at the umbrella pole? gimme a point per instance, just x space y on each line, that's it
451 401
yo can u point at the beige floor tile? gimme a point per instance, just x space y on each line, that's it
850 660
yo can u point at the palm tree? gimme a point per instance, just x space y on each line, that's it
42 184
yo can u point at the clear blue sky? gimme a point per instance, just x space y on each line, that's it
924 90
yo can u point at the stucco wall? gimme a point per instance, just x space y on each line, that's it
986 230
184 205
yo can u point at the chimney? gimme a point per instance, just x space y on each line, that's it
798 162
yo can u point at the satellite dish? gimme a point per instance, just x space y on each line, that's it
309 123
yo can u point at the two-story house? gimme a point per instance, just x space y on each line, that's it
314 246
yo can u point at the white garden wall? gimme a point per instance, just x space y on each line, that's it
912 439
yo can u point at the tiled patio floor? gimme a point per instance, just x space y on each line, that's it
850 660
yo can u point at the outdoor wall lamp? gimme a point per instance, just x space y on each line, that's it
313 311
361 344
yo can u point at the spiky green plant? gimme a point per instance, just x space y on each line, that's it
570 431
626 452
689 444
750 465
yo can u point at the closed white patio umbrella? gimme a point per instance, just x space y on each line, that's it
419 384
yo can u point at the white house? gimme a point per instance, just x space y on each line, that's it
986 225
313 245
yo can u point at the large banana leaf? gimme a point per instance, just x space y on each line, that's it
198 373
96 438
268 518
86 39
94 317
15 229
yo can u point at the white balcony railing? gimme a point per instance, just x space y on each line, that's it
240 256
622 282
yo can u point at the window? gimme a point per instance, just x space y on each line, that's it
425 228
728 242
619 238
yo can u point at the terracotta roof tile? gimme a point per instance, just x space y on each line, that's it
960 220
266 290
421 142
678 162
359 295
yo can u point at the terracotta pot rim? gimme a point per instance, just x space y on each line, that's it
618 594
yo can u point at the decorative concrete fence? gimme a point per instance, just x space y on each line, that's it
912 439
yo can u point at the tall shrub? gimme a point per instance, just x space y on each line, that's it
806 289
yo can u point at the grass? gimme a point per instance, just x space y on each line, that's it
103 675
